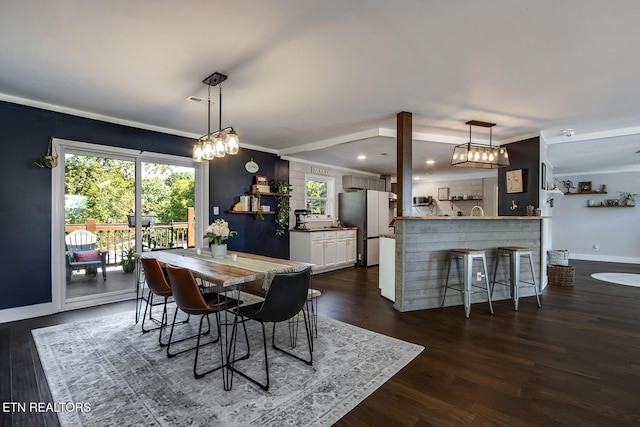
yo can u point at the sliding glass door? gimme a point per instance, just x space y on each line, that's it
110 203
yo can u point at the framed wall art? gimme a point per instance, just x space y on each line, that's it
515 181
443 193
584 187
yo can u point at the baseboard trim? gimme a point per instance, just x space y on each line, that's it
26 312
605 258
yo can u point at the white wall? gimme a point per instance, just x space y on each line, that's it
482 187
297 171
616 231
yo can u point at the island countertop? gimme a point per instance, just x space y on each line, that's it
423 245
472 217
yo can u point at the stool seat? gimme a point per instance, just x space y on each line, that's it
467 284
468 251
514 249
515 253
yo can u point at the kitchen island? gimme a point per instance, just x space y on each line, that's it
422 254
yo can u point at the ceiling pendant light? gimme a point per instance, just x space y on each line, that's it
221 144
480 155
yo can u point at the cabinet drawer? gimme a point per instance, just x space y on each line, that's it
352 233
315 236
329 235
341 234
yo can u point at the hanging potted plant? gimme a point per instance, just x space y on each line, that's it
49 160
128 262
282 189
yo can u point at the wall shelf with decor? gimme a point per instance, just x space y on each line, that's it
272 194
252 212
605 206
579 193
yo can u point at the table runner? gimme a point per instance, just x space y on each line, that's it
259 266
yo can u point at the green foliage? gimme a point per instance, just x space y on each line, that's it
104 189
282 189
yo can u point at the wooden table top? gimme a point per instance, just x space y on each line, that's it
225 272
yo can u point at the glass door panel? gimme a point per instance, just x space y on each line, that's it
168 202
99 195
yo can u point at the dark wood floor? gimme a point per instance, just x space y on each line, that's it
575 361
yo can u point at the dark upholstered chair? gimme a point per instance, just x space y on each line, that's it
285 298
158 286
191 300
82 253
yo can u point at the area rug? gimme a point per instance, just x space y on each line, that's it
112 374
626 279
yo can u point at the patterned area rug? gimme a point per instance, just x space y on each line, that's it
126 379
626 279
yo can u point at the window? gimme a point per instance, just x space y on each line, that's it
319 196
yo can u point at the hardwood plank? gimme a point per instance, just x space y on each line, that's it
572 362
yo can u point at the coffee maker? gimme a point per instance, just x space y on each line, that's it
301 215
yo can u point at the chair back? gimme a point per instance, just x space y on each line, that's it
186 292
286 296
155 277
80 240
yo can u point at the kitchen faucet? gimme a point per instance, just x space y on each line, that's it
477 207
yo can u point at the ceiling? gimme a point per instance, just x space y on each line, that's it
324 80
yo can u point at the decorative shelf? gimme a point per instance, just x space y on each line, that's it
619 206
252 212
558 191
585 192
272 194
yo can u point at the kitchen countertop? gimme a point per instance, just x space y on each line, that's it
388 236
311 230
473 217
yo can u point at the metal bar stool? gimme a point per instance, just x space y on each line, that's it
514 253
465 288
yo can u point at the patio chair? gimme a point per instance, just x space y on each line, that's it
82 253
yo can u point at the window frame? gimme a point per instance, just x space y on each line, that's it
330 199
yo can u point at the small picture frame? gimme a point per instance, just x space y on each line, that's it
262 180
584 186
515 181
443 193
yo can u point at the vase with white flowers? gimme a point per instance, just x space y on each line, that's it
217 233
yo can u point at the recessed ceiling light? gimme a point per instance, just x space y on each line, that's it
430 162
362 157
416 178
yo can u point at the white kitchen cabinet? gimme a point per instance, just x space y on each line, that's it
352 246
328 250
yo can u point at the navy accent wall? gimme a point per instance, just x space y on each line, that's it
25 192
230 180
523 155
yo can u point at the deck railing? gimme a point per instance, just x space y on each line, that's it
115 237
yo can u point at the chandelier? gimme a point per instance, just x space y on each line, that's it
222 141
480 155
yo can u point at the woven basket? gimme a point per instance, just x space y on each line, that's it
561 275
558 257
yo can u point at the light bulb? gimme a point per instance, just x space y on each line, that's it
218 143
208 152
197 152
232 144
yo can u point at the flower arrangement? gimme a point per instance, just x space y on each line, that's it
219 231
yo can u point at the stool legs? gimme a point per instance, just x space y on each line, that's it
466 287
514 274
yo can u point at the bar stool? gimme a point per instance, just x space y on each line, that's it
465 288
514 253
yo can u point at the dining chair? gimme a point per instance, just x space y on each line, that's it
189 299
285 298
158 286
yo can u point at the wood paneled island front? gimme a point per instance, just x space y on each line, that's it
422 254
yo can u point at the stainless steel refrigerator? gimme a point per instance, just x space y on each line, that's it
369 211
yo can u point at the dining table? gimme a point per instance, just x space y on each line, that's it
225 274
